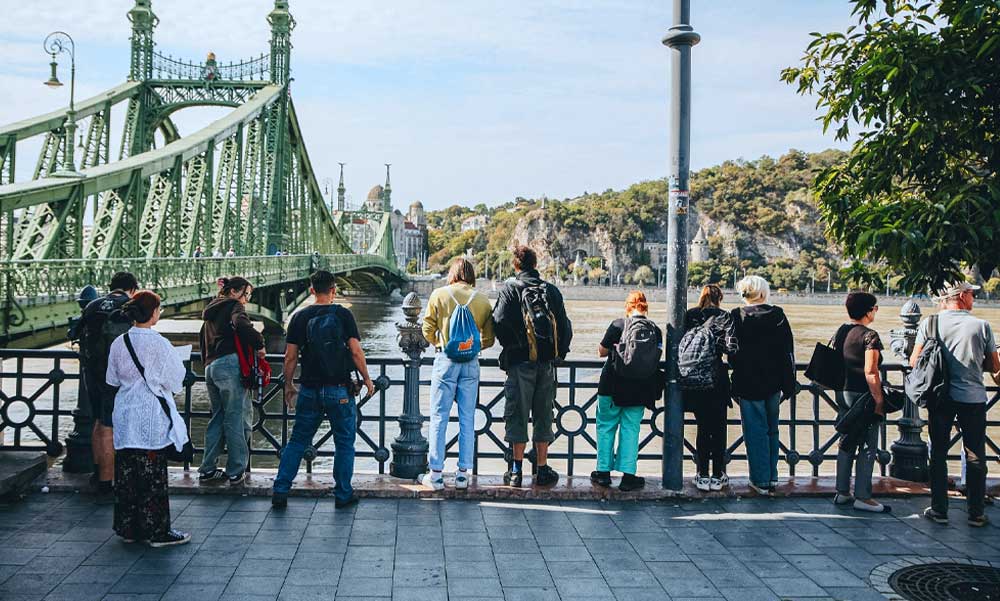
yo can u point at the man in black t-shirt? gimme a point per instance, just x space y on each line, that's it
326 336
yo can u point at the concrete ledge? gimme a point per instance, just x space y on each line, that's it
575 488
18 469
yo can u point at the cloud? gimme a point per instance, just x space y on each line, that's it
472 101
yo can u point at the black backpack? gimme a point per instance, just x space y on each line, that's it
698 357
637 354
927 382
102 321
326 347
540 323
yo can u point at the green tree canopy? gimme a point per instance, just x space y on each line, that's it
920 85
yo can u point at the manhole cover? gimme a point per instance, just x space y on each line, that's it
947 582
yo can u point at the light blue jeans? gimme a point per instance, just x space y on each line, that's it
760 434
231 414
451 382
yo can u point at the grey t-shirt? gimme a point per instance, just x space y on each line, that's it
967 340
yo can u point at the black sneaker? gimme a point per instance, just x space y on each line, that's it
342 504
546 476
513 479
601 478
211 477
240 480
934 516
631 482
279 500
174 537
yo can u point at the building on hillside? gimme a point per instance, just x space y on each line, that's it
699 247
476 222
657 253
409 231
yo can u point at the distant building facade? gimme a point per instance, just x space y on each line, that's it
476 222
409 231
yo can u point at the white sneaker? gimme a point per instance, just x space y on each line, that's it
430 481
842 499
461 480
703 484
764 492
719 483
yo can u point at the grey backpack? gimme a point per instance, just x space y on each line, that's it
927 382
697 357
637 354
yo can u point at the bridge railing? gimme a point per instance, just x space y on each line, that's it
38 406
65 277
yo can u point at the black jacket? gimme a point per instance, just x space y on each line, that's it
509 320
765 363
224 319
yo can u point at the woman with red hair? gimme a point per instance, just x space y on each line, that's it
630 382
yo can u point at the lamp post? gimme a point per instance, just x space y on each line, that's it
679 38
409 450
55 43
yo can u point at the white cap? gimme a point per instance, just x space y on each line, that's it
954 289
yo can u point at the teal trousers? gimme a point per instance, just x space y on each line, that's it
622 422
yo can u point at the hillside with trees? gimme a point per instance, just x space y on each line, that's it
759 216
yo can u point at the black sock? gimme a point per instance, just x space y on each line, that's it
517 466
104 486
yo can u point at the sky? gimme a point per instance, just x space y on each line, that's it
470 100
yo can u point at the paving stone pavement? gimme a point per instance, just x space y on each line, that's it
60 546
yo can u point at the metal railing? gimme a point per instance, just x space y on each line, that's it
38 390
253 69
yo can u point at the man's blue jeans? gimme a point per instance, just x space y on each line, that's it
313 405
450 382
231 414
760 433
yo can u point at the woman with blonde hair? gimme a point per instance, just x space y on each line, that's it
708 396
763 374
630 382
459 324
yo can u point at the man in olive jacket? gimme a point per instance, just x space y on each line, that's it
530 348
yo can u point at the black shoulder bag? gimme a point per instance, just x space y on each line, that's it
186 454
826 366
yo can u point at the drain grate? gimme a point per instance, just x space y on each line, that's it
947 582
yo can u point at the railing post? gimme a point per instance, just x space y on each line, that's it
909 451
79 452
409 449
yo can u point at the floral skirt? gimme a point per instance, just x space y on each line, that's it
142 506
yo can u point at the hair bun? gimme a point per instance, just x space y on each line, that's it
221 282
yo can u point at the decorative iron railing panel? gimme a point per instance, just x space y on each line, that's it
38 392
254 69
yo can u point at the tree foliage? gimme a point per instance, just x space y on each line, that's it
918 85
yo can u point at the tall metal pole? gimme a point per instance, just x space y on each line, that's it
680 38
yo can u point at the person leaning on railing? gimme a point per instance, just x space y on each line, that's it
862 351
763 374
146 425
621 399
226 324
456 367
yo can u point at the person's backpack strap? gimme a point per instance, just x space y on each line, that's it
142 372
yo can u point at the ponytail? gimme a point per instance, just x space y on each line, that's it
227 285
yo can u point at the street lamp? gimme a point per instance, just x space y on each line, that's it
55 43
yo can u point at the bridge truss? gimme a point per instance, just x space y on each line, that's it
243 185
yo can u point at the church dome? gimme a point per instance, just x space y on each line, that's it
416 205
376 193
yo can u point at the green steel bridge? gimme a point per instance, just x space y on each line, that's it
244 182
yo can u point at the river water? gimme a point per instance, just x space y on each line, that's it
376 321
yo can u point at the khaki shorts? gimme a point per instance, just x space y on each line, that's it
530 389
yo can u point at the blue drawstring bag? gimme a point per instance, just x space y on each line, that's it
464 342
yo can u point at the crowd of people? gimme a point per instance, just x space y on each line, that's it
131 374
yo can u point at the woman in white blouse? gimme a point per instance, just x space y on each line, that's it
143 430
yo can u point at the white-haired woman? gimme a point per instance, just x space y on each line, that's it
763 374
